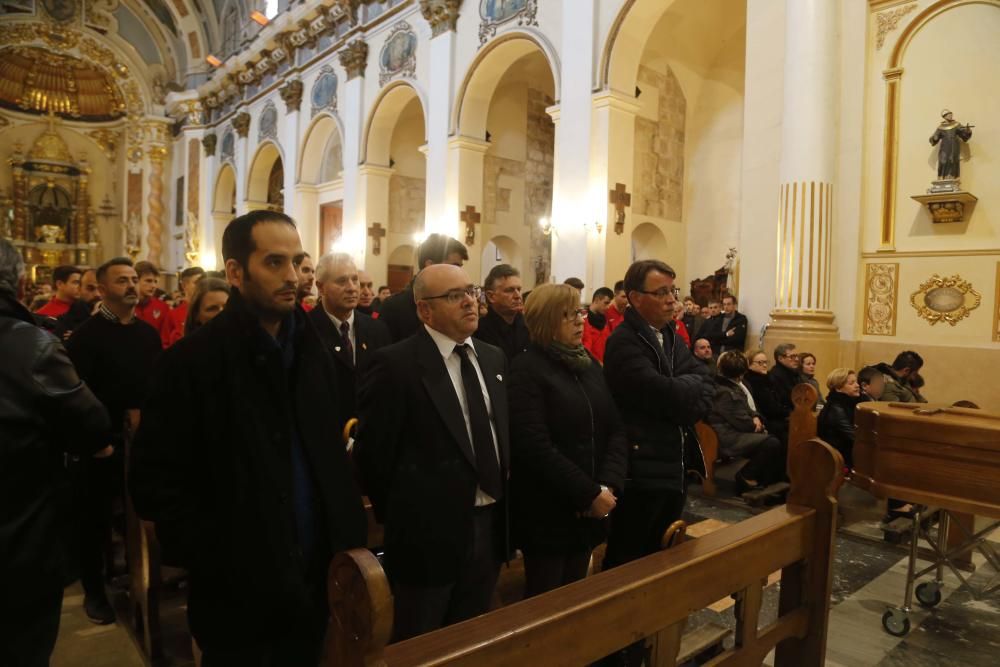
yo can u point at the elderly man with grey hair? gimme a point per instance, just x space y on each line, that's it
47 412
350 336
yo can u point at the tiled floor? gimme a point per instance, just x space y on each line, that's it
868 578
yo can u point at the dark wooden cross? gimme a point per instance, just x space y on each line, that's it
470 218
620 198
377 233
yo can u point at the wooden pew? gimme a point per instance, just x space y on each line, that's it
710 449
802 421
596 616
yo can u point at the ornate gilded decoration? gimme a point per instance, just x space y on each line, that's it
209 142
399 53
441 14
192 239
107 140
154 220
948 299
354 58
887 22
291 95
38 81
882 288
996 308
100 14
241 123
495 13
268 122
946 207
50 147
61 11
345 9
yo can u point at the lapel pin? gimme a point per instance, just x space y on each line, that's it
364 346
337 348
499 377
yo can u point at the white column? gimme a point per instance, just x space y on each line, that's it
288 133
242 161
810 105
466 156
373 192
211 256
351 108
572 197
442 205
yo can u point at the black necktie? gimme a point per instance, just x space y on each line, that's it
487 466
345 332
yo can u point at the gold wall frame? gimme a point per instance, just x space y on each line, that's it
881 298
948 300
893 75
996 308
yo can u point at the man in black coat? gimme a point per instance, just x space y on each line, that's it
785 376
433 450
399 311
728 330
661 391
503 325
350 336
46 412
249 487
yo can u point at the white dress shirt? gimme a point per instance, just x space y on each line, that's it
446 346
350 332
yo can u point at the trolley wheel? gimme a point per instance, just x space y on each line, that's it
896 622
928 594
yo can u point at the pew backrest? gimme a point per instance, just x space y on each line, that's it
579 623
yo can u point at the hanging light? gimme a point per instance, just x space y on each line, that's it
259 17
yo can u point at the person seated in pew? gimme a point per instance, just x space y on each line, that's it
433 451
209 299
243 485
835 423
702 351
765 400
896 376
807 372
872 384
569 452
740 428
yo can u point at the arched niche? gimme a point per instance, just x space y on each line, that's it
648 242
480 83
223 206
626 42
502 250
262 167
322 157
391 102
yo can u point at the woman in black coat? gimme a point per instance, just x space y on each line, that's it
835 423
765 397
568 445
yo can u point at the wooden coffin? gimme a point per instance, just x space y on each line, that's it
933 455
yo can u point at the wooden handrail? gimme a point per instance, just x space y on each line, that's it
583 621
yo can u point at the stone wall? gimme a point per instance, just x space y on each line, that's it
406 204
538 176
659 148
494 200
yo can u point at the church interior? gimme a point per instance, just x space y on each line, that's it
776 147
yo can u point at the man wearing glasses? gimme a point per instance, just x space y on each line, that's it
661 391
433 452
503 324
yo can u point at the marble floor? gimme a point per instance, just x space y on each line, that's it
868 578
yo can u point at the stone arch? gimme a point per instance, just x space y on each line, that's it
509 252
623 49
403 255
382 120
472 102
648 242
223 206
324 129
267 155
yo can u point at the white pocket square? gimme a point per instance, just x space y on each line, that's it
499 377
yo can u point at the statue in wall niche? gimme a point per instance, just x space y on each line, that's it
950 134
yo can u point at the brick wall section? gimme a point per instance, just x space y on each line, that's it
659 149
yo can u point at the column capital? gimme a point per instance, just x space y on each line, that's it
612 99
291 95
441 14
209 142
554 112
367 169
354 58
241 123
462 142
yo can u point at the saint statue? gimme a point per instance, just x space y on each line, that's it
948 133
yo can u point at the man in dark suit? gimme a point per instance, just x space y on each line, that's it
727 330
350 336
503 325
246 485
433 450
399 311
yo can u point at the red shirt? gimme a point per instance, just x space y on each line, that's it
595 339
177 318
157 314
682 331
614 317
55 307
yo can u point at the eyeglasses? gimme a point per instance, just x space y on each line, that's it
456 296
660 294
574 314
759 362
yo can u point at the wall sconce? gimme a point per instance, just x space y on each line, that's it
259 18
546 226
213 61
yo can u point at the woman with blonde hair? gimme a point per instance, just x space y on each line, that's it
568 444
210 297
835 423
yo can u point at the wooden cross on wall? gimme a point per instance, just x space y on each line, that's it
620 198
470 218
377 233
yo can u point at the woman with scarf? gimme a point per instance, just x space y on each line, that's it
568 444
